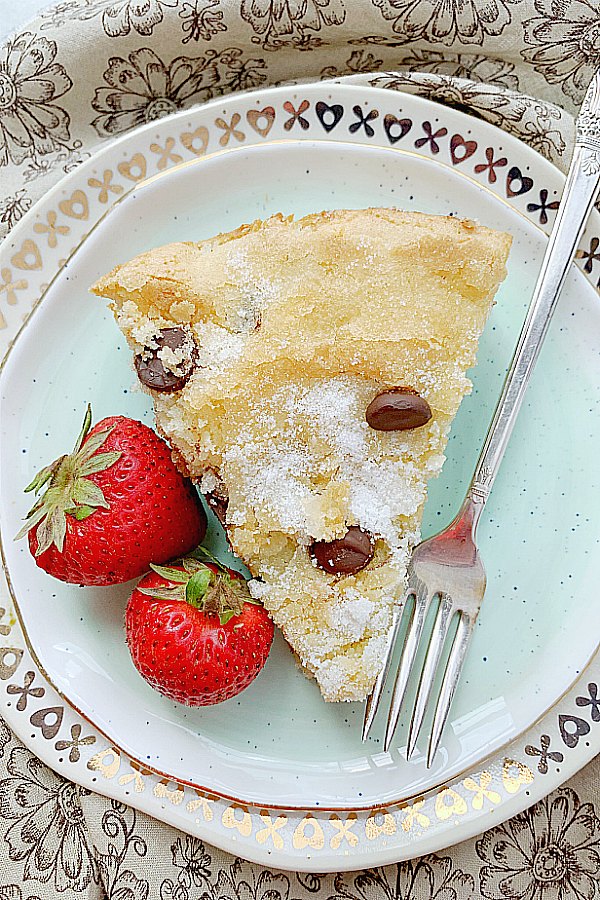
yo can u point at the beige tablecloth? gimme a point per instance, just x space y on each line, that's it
88 70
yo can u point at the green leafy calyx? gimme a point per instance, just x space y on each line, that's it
68 489
218 592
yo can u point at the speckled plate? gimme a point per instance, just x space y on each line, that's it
277 770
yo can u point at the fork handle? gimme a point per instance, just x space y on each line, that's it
581 188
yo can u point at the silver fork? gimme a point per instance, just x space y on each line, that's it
448 565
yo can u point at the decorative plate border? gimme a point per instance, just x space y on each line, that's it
558 745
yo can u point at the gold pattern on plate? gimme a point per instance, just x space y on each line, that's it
271 828
48 720
9 287
296 115
51 228
75 743
105 186
230 819
344 829
230 130
482 790
137 775
515 774
201 801
10 658
196 141
166 154
107 762
449 802
4 629
28 257
76 206
135 168
26 690
414 816
315 839
380 821
261 120
164 792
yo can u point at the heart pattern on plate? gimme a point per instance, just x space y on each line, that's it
134 168
48 720
461 149
254 118
315 839
76 206
571 737
329 115
396 128
195 141
28 257
515 177
10 658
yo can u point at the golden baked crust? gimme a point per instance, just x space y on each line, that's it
298 325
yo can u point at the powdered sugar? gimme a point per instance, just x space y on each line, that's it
173 358
143 331
308 465
381 493
209 483
256 290
380 490
331 406
257 589
218 348
274 486
350 616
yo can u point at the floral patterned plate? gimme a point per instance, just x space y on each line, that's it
277 775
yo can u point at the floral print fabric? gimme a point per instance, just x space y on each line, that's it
88 70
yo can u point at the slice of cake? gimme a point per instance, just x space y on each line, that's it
306 374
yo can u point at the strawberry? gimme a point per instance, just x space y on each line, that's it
112 506
195 634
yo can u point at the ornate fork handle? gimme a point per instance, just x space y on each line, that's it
588 128
581 188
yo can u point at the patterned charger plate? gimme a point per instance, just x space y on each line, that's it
278 776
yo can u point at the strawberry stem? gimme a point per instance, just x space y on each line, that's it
196 588
215 593
68 489
170 574
42 477
87 423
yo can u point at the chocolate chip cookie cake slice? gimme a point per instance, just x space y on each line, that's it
306 374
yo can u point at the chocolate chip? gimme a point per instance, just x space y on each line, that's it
218 505
150 367
398 409
346 555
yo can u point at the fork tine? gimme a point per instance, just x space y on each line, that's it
407 658
454 666
432 660
374 697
